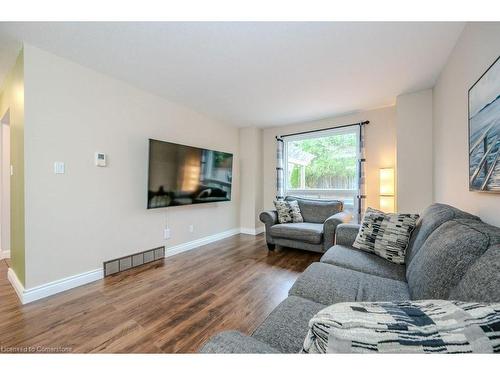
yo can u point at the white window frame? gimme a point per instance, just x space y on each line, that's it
322 193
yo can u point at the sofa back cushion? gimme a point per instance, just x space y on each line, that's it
446 256
432 217
482 281
317 210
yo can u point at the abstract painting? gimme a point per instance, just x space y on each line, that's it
484 131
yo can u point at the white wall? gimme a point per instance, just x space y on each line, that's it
414 151
380 148
477 48
77 220
251 179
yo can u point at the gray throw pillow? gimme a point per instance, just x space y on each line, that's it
427 326
386 235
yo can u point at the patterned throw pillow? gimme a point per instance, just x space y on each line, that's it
283 209
288 212
295 212
386 235
427 326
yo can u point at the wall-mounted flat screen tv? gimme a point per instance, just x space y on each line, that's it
182 175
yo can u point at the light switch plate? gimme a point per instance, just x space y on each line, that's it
58 167
100 159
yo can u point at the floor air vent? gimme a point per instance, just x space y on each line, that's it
135 260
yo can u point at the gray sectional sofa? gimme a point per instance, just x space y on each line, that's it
451 255
316 233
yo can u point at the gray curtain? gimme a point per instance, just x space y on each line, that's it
280 173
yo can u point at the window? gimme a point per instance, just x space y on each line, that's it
323 164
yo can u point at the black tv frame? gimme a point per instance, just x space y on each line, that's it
193 203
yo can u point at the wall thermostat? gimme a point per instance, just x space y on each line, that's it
100 159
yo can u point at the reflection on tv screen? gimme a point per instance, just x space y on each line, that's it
183 175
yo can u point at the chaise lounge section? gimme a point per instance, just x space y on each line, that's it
452 255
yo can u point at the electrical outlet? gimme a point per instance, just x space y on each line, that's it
191 228
166 233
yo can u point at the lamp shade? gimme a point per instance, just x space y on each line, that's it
386 203
387 182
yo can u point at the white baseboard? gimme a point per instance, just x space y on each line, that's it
252 231
61 285
4 254
16 284
54 287
186 246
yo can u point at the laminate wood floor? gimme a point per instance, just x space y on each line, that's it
171 306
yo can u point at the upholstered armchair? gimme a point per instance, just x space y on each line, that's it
316 233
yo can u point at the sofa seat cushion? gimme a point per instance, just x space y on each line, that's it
236 343
287 326
305 232
359 260
328 284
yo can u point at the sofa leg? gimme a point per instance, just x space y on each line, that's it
271 246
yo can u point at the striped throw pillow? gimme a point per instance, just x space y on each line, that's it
426 326
386 235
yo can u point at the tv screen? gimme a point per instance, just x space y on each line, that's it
181 175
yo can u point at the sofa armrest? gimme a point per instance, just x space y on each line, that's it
346 234
236 342
269 217
330 227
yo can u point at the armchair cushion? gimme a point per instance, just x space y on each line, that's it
317 210
305 232
359 260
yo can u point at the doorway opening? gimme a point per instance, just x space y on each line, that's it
5 173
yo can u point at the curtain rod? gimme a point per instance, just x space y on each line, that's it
319 130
